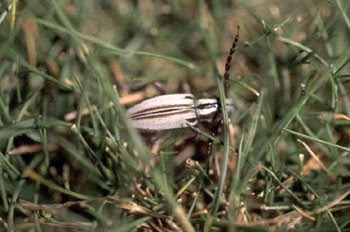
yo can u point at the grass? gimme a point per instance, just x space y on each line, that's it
70 161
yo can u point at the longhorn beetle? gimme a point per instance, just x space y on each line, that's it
173 111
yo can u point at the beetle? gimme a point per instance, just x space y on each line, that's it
173 111
181 110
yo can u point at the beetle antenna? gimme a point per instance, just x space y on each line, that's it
227 83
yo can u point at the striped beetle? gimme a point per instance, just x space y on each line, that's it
171 111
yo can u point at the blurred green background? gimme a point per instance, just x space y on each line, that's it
69 161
